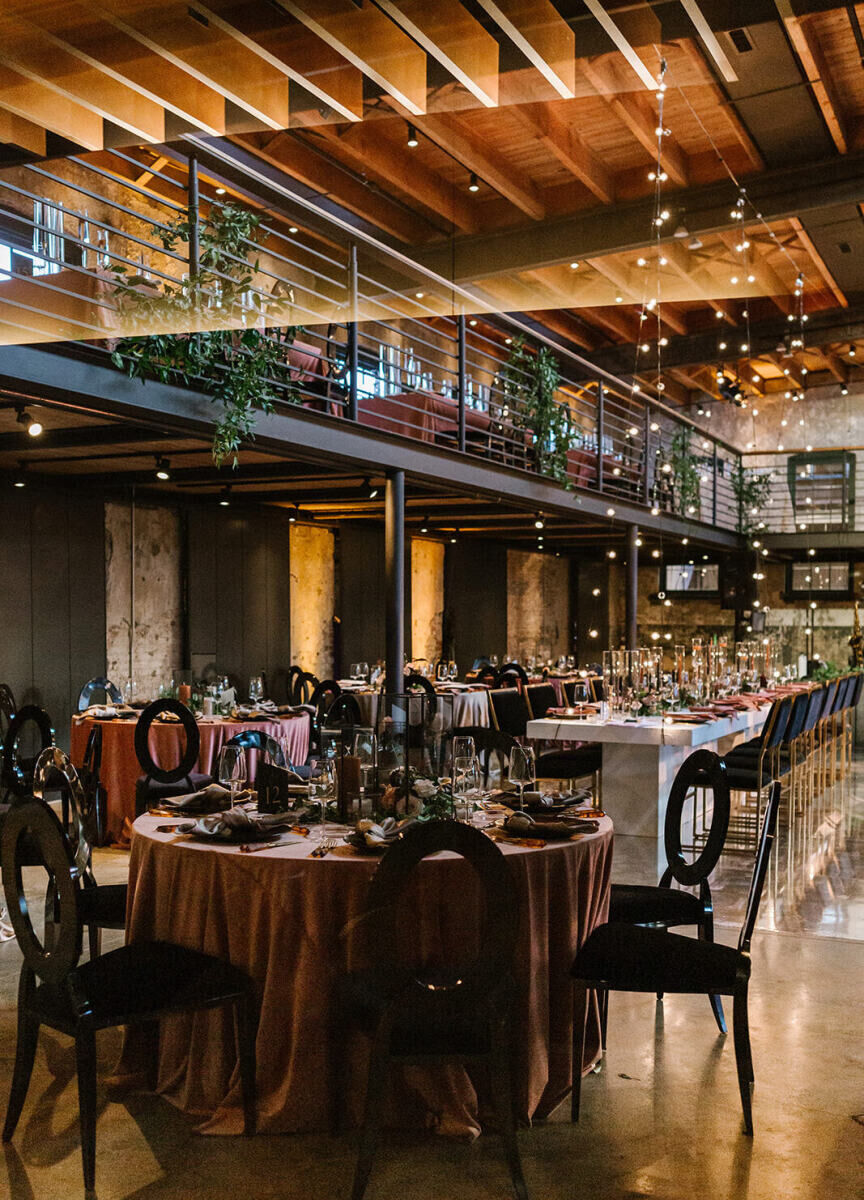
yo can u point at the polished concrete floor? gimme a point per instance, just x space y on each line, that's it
661 1119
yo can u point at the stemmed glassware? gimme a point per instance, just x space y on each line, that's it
232 769
256 689
521 770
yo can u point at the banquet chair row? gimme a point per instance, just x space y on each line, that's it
512 709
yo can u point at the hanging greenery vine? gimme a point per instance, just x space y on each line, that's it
686 477
242 369
529 383
751 493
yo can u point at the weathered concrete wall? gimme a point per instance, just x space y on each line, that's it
142 593
831 420
427 598
538 604
313 598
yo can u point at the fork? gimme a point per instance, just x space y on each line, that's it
326 846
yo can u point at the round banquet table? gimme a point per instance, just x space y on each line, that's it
120 768
290 921
468 707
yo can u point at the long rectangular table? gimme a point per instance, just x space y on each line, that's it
641 758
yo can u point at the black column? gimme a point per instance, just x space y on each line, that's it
632 594
394 573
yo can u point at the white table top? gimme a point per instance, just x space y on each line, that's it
648 731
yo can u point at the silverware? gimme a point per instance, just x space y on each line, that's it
247 848
324 849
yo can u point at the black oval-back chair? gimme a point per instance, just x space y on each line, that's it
100 684
454 1012
17 767
160 783
134 984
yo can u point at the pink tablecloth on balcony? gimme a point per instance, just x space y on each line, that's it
290 921
120 768
419 415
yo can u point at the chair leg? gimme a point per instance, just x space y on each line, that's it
743 1057
94 940
706 934
25 1055
604 1017
580 1015
502 1087
85 1055
379 1063
246 1021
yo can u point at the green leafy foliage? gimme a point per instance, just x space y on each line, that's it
241 369
751 492
686 477
529 382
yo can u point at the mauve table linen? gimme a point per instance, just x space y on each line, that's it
290 921
120 768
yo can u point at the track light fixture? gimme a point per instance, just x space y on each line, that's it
540 522
163 469
424 525
33 427
225 498
371 488
413 140
473 183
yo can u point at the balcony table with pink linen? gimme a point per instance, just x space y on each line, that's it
120 770
289 920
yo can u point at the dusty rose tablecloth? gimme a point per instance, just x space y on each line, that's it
460 708
120 767
419 415
288 920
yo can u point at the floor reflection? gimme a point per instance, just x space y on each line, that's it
816 882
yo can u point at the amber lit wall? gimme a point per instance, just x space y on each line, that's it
313 598
427 599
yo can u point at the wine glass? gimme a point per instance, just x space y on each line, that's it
130 691
363 671
463 747
232 769
256 689
466 785
324 791
452 670
521 768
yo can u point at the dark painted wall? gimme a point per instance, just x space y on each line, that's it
52 597
475 601
360 594
238 593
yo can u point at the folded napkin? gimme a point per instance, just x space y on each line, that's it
236 825
522 825
99 712
370 836
212 799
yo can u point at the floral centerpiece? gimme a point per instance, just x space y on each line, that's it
410 793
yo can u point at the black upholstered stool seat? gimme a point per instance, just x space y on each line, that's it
570 764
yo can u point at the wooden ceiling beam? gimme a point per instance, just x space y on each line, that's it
639 115
372 43
100 45
41 57
736 126
449 34
806 42
561 322
190 42
619 275
294 51
41 106
452 135
18 131
765 275
568 147
818 261
537 29
299 160
366 148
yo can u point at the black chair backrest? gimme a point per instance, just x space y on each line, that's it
291 676
51 763
257 739
17 771
509 673
345 710
797 717
815 700
25 826
855 695
596 689
304 685
760 870
142 744
842 693
774 733
498 938
541 697
415 682
323 695
100 684
487 741
830 696
703 768
510 710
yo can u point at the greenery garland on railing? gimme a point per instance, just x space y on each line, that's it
234 366
529 382
751 493
686 477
